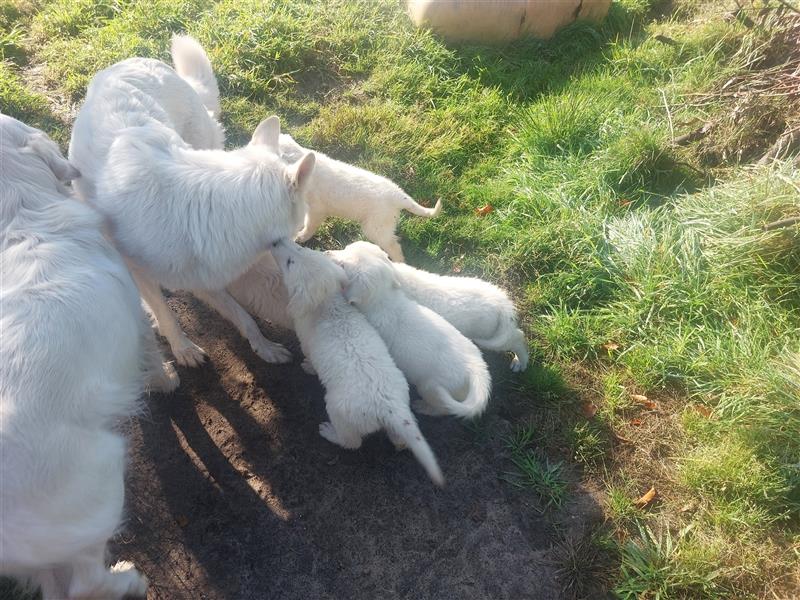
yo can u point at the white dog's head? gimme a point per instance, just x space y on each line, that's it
309 276
369 271
299 167
28 155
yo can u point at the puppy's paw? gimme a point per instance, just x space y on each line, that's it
327 431
308 367
166 380
271 352
189 354
134 583
425 408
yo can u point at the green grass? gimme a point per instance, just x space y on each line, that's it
638 268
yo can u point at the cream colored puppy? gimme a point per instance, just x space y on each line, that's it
337 189
364 390
480 310
447 369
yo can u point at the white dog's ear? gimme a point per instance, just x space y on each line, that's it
268 133
46 149
300 172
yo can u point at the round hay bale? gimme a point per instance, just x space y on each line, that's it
497 21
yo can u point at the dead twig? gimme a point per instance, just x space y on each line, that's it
782 223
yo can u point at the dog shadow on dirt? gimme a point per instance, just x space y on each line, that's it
232 493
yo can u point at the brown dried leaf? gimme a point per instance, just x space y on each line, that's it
588 409
636 422
484 210
610 347
647 499
644 401
704 410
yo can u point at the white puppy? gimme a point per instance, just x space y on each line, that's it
76 351
337 189
183 217
364 390
480 310
447 369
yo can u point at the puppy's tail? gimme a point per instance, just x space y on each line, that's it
403 426
480 385
413 207
192 64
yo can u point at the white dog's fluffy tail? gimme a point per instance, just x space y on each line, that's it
411 206
480 385
403 426
192 64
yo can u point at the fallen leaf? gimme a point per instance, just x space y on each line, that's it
588 409
622 439
689 506
484 210
610 347
182 521
703 410
624 203
636 422
644 401
647 499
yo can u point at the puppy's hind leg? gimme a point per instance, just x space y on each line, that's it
224 304
382 234
186 352
340 432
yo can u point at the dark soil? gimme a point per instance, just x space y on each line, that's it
233 494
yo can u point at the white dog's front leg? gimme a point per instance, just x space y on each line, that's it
226 305
312 223
186 352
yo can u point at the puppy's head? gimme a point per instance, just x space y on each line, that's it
370 273
309 276
37 152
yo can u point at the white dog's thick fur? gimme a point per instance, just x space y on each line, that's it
480 310
184 217
76 351
364 390
447 369
337 189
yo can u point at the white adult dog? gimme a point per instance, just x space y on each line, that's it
364 390
478 309
337 189
183 216
447 369
76 351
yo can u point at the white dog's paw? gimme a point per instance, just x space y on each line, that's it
134 583
328 431
189 354
516 365
398 442
166 380
308 367
271 352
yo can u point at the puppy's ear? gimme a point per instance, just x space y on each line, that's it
299 173
46 149
268 134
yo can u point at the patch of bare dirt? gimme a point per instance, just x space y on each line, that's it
233 494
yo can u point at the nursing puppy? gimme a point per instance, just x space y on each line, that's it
364 390
262 292
76 351
478 309
336 189
447 369
184 217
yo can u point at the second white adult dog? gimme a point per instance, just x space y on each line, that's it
480 310
76 351
364 390
183 217
338 189
447 369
